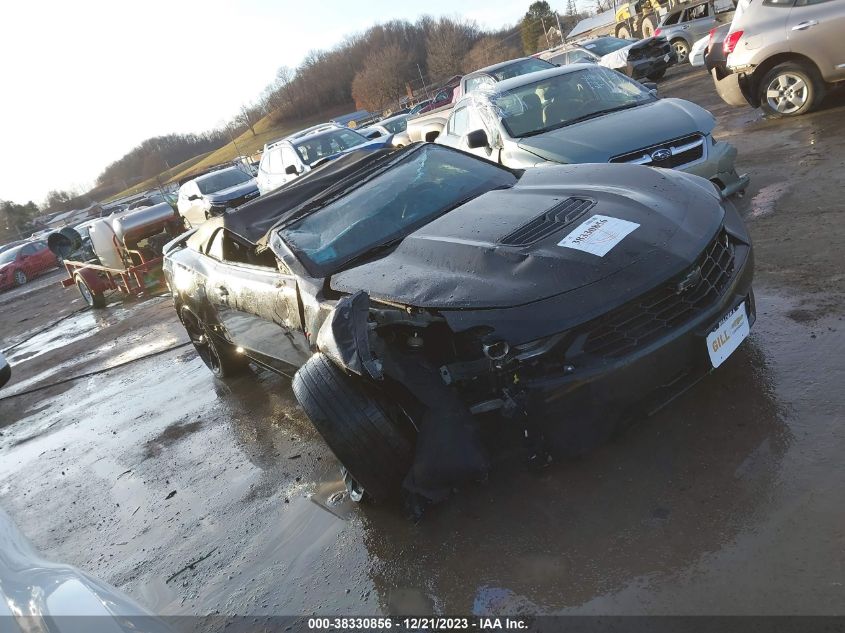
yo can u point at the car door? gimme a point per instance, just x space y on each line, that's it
275 176
29 260
463 120
256 302
190 208
815 29
700 20
291 159
44 257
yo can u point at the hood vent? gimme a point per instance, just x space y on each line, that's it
553 220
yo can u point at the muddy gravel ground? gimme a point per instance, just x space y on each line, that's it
729 501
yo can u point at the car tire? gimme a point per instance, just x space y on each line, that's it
648 27
790 89
221 358
94 300
657 75
623 32
681 49
20 277
358 426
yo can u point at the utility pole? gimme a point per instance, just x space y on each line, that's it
229 130
425 88
559 29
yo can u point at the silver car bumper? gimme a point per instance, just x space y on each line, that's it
719 167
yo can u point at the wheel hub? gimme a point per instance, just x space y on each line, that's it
787 93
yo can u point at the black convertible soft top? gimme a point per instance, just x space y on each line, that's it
254 220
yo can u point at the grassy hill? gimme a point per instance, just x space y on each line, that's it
247 143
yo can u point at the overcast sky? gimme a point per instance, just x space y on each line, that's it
83 82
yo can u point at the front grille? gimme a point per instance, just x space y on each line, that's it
681 151
666 307
553 220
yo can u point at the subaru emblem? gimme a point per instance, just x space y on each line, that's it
660 154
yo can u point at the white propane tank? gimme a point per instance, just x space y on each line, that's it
104 243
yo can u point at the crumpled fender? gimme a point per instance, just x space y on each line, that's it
344 337
448 448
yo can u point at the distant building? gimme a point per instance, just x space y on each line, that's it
599 24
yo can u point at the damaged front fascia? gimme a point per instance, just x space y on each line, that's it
345 336
448 447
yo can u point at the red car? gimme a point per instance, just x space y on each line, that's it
447 95
21 263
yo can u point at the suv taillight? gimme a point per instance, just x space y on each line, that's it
656 32
710 41
730 42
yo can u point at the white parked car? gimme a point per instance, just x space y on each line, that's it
294 155
696 54
213 194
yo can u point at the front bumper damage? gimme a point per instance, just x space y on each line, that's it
719 167
645 67
568 402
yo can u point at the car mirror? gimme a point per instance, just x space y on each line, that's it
291 170
477 138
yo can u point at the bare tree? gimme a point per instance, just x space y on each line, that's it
489 50
447 43
383 78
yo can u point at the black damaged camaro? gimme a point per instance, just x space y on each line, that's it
420 295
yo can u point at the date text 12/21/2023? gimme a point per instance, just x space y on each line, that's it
430 623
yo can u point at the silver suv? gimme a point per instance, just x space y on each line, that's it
783 55
687 24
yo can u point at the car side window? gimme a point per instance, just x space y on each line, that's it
288 157
803 3
236 251
274 161
459 122
473 83
214 248
672 19
697 13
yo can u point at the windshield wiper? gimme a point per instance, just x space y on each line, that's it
370 253
585 117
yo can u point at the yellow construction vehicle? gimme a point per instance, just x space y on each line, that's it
637 19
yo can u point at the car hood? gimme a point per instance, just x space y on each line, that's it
600 139
617 58
232 193
5 266
458 261
33 591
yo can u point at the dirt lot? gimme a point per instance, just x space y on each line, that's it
729 501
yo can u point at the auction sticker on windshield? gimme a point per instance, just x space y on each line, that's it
598 235
732 330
